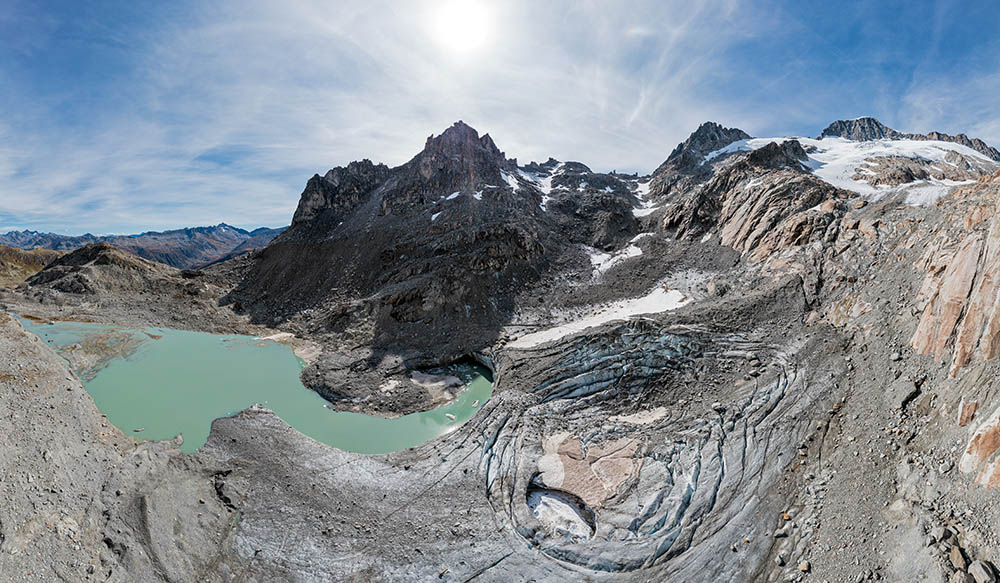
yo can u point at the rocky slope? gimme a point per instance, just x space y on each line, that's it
182 248
423 263
808 391
100 282
17 265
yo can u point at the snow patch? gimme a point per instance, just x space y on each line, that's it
510 180
660 299
602 262
642 212
478 195
928 193
453 195
544 184
435 216
646 206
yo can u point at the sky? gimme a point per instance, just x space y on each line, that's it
122 117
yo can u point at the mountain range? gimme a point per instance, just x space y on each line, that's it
185 248
770 359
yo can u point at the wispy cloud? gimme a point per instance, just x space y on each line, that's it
208 112
955 104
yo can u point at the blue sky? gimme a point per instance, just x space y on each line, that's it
130 116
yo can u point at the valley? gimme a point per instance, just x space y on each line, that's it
768 360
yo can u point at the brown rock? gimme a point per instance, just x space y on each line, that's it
596 473
947 300
984 443
957 558
966 411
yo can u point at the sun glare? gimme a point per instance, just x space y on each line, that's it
461 27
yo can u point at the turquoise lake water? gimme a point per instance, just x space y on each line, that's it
168 382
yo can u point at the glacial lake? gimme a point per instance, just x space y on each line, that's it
168 382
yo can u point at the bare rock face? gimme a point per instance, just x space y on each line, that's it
106 282
100 267
16 265
423 263
685 164
896 170
709 137
974 143
861 129
960 316
338 192
759 204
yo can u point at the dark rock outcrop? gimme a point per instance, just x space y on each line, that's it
425 262
974 143
708 138
686 164
861 129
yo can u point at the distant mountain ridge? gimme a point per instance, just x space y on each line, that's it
184 248
864 129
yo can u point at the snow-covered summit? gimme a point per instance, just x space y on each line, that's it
876 167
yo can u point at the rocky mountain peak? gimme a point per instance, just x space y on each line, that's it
462 141
861 129
865 129
709 136
774 155
974 143
458 159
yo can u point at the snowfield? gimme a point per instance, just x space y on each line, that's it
837 160
660 299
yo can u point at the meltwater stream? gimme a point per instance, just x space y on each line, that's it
166 382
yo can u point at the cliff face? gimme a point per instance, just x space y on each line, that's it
427 260
960 315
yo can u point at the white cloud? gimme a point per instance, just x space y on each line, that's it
954 104
226 109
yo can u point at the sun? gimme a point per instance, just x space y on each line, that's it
462 27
